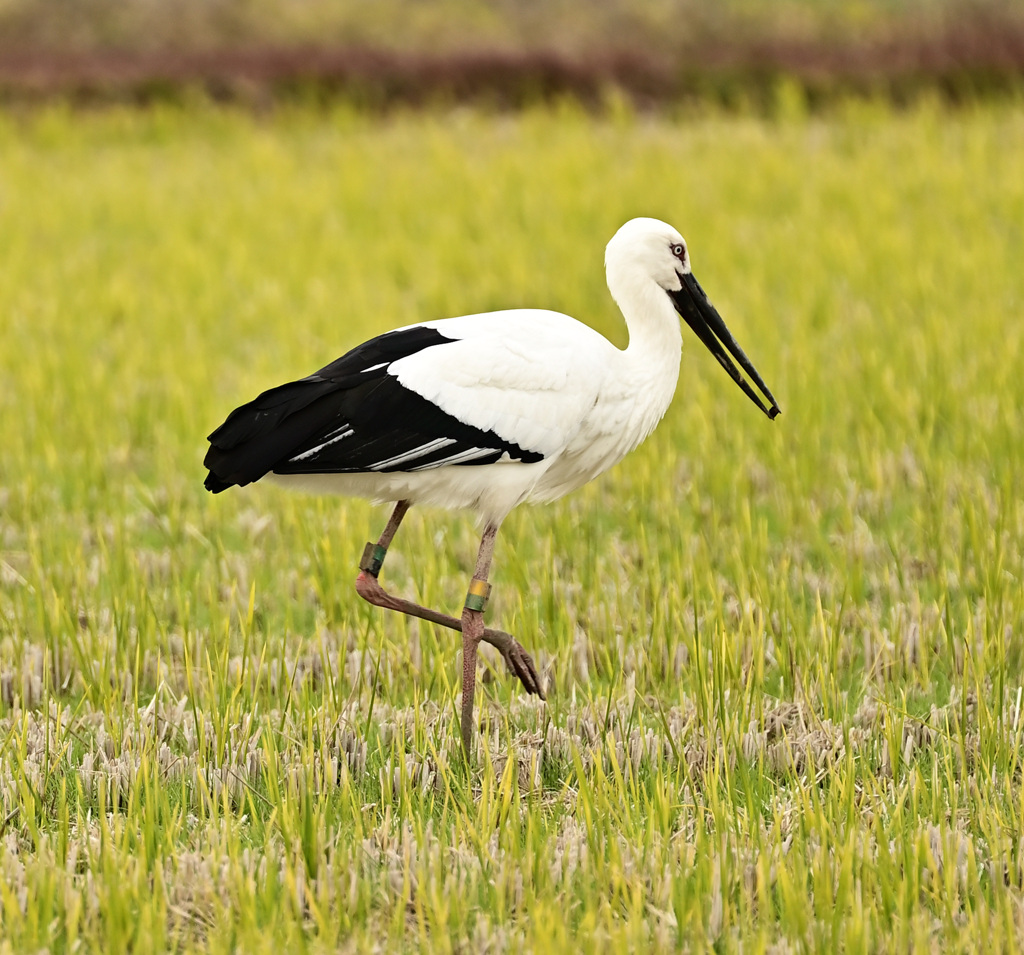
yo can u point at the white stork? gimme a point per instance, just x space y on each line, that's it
484 412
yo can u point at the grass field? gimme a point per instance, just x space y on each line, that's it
784 660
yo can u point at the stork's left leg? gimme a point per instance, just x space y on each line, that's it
473 631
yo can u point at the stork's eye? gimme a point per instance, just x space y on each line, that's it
677 251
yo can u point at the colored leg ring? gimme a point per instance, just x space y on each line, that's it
479 591
372 559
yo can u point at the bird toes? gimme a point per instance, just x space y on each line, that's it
521 664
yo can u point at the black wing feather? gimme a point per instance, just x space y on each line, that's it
351 415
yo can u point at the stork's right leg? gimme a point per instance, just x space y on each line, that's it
368 587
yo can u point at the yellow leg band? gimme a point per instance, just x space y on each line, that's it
479 591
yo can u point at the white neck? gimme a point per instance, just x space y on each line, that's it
651 360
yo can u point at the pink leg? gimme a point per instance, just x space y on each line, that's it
368 587
473 631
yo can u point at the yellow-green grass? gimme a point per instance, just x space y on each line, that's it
784 658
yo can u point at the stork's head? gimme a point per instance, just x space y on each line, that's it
649 249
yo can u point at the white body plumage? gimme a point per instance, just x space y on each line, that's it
543 380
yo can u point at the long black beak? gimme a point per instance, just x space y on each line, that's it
703 318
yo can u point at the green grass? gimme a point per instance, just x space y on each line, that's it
784 659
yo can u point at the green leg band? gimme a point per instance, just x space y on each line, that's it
373 559
479 591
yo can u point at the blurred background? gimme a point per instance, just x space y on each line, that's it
507 52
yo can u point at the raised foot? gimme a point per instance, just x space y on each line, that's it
518 661
516 658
